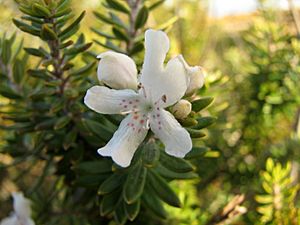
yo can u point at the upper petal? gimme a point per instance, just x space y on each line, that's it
108 101
176 139
156 47
171 81
117 70
125 140
12 220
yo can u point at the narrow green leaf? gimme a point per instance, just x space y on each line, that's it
155 5
66 44
46 124
63 12
94 167
133 210
102 34
201 103
150 154
73 25
41 10
84 69
141 17
163 190
109 45
189 122
117 5
62 122
39 74
77 49
35 52
111 184
175 164
135 183
69 139
18 71
6 52
8 92
120 214
164 172
109 203
47 33
33 19
98 129
26 28
137 47
195 133
196 152
90 181
205 122
119 34
151 202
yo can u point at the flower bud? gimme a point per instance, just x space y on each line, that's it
182 109
117 71
196 74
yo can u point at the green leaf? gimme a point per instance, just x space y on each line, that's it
26 28
150 154
62 12
102 34
109 203
78 48
175 164
196 152
69 139
62 122
189 122
119 34
8 92
47 33
84 69
43 74
137 47
151 202
201 103
205 122
132 210
141 17
90 181
6 52
109 45
66 44
33 19
164 172
195 133
46 124
155 5
120 214
135 183
18 71
163 190
111 184
114 4
35 52
72 26
41 10
94 167
98 129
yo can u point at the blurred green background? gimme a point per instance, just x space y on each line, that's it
252 64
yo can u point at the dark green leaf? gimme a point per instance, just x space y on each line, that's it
141 17
35 52
163 190
117 5
135 183
195 133
6 51
196 152
62 122
201 103
165 172
120 214
73 26
175 164
69 139
8 92
205 122
41 10
119 34
94 167
150 153
132 210
18 71
155 5
111 184
102 34
109 203
26 28
47 33
153 203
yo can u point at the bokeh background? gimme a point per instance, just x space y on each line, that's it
250 51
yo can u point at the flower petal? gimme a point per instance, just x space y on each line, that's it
12 220
21 205
117 70
125 140
171 82
176 139
108 101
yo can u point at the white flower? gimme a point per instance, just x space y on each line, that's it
196 77
22 212
182 109
117 70
161 86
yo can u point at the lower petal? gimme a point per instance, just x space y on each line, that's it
125 141
176 139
